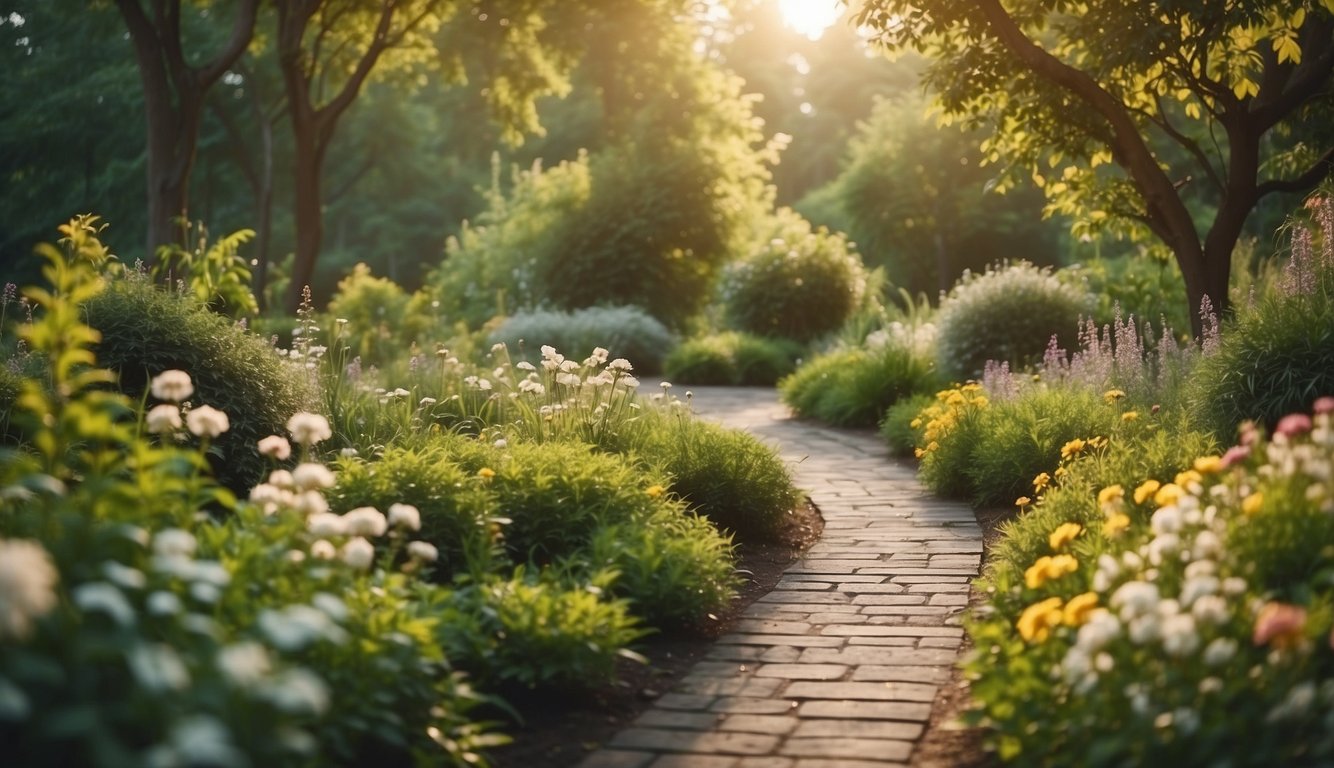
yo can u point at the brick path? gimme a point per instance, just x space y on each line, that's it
838 666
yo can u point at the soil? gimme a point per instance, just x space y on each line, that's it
559 731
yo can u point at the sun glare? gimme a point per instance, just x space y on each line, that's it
810 17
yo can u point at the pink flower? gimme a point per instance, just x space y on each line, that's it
1293 424
1324 404
1279 624
1235 455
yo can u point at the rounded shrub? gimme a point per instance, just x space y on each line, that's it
853 387
1009 313
897 426
801 284
627 332
376 311
730 359
146 330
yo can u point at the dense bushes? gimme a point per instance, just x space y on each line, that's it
731 359
145 330
627 332
1007 314
800 284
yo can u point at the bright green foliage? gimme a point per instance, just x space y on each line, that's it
1277 355
913 196
854 386
1207 605
626 331
897 427
1118 110
146 330
1009 313
375 309
799 284
536 632
1149 289
216 275
731 359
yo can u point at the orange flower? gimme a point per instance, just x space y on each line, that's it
1022 501
1038 620
1146 490
1064 534
1252 504
486 473
1079 608
1115 525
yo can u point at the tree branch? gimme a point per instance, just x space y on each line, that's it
1187 143
1308 179
243 30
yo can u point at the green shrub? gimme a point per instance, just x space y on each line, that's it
897 427
853 387
537 632
800 284
146 330
731 359
627 332
378 324
1274 359
1008 314
1149 289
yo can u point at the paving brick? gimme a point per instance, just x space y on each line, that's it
804 598
773 724
887 691
739 687
802 671
859 749
934 674
762 626
741 705
710 743
694 761
670 718
950 600
683 701
770 761
858 729
894 631
818 762
866 710
800 641
617 758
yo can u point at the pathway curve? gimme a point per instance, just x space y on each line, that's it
838 666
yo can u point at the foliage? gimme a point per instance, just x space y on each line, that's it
731 359
1145 288
1008 313
854 386
375 311
216 275
146 330
913 195
626 332
799 284
1109 125
896 428
1279 353
1138 615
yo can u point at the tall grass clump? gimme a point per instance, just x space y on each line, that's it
731 359
1277 354
626 332
800 284
1008 314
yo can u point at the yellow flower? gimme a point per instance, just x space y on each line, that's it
1115 525
1064 534
1145 490
1251 504
1079 608
1041 482
1129 416
1184 479
932 446
1112 395
1022 501
981 401
1168 494
1059 473
1208 464
1038 620
1047 568
971 386
1111 495
655 491
1097 442
915 423
955 398
1072 448
918 452
486 473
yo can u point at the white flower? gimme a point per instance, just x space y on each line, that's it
323 550
1179 635
549 353
174 386
282 478
325 524
1234 586
1135 598
275 447
1219 651
310 503
630 381
309 428
359 553
1210 609
297 626
311 476
348 453
173 542
162 419
157 667
207 421
244 663
405 516
298 691
568 379
365 521
1166 520
163 603
1100 629
501 443
1144 629
423 551
27 586
1197 587
532 387
621 364
102 597
1162 546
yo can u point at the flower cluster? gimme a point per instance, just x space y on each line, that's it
951 406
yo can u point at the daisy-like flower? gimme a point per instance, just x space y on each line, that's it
359 554
422 551
27 586
207 421
309 428
275 447
365 521
163 419
173 386
311 476
405 516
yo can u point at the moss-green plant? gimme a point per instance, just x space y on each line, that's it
146 330
800 284
731 359
853 387
1009 313
624 331
897 426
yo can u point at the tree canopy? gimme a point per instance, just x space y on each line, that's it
1169 118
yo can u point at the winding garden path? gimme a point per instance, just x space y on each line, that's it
838 666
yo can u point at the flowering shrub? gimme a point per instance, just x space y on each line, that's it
1168 616
1008 314
800 285
627 332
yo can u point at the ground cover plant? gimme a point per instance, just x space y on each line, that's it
731 359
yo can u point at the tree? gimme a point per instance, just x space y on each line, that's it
175 94
1170 118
